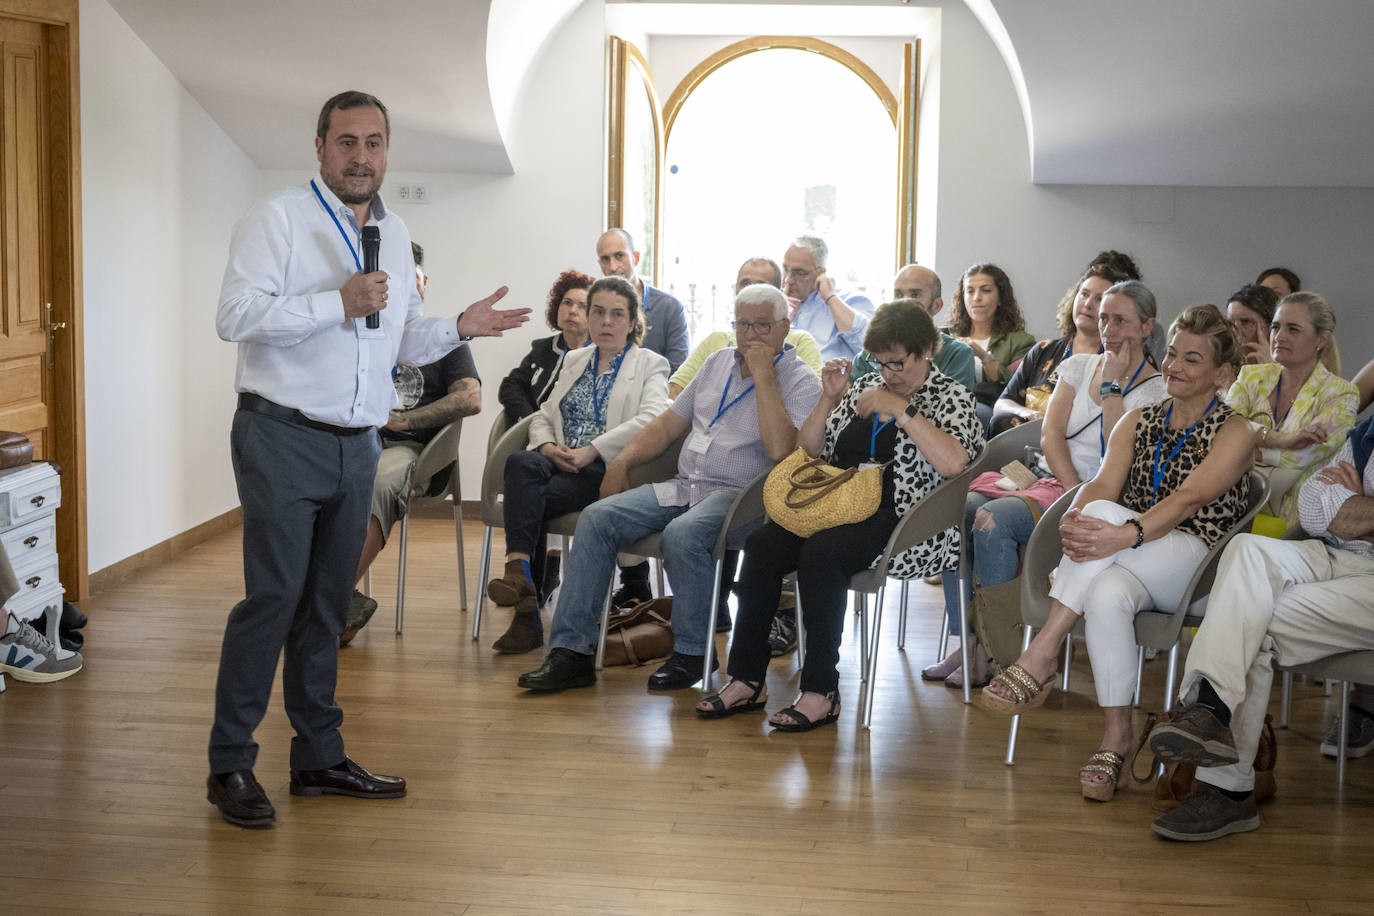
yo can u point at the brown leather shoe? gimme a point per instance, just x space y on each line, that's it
240 800
526 631
512 586
346 779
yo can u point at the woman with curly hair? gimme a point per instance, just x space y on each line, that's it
986 317
528 384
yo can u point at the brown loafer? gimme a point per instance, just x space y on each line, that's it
240 800
346 779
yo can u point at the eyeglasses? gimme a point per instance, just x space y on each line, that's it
761 328
893 365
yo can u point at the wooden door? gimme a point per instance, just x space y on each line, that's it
42 381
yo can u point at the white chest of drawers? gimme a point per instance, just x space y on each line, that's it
29 497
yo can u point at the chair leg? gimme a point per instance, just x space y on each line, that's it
711 624
801 630
401 573
1139 673
1327 686
462 566
1341 724
367 582
1287 702
944 639
861 609
483 573
662 585
1170 676
605 622
1068 662
1026 632
901 617
963 638
873 660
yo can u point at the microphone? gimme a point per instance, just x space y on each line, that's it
372 249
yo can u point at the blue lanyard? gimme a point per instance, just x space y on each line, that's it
335 218
1157 472
1278 395
723 407
1101 421
873 438
599 400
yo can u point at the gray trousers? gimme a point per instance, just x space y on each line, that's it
305 495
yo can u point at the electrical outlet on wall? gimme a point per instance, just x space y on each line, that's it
419 193
403 192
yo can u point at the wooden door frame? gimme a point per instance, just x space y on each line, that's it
62 273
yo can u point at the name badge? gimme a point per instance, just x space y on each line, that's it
366 333
698 442
869 465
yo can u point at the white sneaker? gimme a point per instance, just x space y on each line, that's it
29 656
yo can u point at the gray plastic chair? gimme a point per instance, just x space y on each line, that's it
437 462
1154 628
1346 667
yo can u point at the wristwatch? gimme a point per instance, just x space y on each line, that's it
910 414
1109 389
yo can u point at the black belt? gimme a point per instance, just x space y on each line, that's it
254 403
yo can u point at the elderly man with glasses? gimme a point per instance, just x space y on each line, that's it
836 319
740 415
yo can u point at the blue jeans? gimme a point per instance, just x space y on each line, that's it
612 524
996 552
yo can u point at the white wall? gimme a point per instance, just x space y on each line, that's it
161 187
1193 244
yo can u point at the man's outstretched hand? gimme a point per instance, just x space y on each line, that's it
482 320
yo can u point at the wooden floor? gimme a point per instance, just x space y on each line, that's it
609 799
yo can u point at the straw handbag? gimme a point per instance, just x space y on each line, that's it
806 495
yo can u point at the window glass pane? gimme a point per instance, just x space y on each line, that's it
641 166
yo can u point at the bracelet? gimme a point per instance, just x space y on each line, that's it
1139 532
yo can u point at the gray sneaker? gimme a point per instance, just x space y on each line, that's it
782 635
29 656
1206 814
1194 735
1359 737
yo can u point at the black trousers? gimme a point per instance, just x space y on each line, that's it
306 495
537 491
824 563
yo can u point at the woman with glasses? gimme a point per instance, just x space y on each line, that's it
921 427
605 394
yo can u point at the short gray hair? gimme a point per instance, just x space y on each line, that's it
1145 308
763 294
820 252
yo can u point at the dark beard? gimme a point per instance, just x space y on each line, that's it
349 197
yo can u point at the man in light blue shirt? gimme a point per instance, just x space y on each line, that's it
665 320
836 320
313 383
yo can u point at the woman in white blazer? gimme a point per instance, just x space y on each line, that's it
605 394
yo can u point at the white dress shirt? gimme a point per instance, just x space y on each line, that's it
280 303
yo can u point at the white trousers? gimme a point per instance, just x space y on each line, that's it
1289 602
1109 592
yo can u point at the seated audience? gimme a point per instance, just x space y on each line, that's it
986 317
1173 484
1284 602
754 270
429 398
665 320
1094 391
922 425
922 286
528 384
1027 393
606 393
738 416
1299 403
835 319
1281 280
1251 310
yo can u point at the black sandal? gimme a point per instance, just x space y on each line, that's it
801 723
719 710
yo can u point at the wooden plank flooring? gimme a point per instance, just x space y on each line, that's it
609 799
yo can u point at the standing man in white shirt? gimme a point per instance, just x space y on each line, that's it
314 383
837 320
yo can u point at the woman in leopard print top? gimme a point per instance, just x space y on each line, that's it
1172 485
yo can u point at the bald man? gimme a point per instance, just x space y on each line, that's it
922 285
665 320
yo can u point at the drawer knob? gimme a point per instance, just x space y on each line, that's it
37 500
32 581
31 541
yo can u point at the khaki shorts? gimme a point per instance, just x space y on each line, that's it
391 489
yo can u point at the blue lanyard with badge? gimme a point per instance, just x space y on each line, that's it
599 397
1157 471
1102 436
700 442
359 324
873 461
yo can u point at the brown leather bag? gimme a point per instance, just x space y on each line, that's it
15 449
1179 779
639 634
